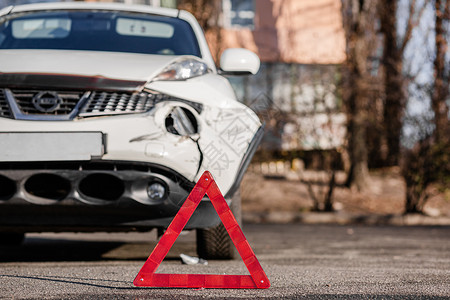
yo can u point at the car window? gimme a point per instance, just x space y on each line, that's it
41 28
99 31
133 27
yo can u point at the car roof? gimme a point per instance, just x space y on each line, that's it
169 12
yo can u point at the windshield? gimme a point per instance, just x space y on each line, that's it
98 31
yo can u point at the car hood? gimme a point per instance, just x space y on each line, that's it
112 65
93 70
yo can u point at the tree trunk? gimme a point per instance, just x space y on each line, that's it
359 171
359 21
393 81
414 195
328 202
418 170
441 80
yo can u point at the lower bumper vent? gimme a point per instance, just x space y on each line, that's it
102 186
7 188
48 186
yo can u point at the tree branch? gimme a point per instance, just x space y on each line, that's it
412 23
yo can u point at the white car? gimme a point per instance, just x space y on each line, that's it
110 113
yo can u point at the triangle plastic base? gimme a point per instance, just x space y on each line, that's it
257 278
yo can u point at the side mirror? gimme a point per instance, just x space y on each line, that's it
238 61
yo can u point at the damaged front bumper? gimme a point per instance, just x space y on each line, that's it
92 196
100 195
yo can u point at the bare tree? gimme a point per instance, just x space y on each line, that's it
429 161
208 14
395 82
321 127
441 73
359 23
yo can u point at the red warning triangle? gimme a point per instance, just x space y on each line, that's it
257 278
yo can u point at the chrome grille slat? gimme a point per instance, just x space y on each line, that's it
4 107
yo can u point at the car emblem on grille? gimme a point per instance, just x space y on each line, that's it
46 101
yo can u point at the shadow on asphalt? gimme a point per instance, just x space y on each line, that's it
103 283
55 250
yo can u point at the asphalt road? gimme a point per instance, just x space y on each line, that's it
301 261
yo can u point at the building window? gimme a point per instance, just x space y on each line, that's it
238 13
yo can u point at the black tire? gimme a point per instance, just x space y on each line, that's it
11 238
214 242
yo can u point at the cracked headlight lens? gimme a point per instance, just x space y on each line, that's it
183 69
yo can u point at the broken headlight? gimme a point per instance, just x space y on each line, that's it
181 121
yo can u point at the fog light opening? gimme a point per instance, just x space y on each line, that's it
156 191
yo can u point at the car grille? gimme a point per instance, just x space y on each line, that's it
24 99
23 104
100 103
4 107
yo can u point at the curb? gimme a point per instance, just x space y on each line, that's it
339 218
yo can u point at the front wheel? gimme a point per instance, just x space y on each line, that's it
215 242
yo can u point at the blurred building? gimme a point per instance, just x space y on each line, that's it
301 45
288 31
